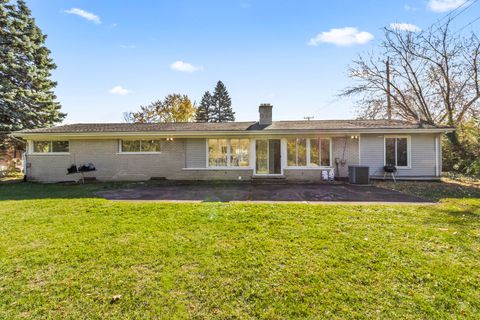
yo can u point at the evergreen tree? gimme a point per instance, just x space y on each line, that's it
222 105
27 99
205 109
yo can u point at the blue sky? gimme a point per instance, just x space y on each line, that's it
113 56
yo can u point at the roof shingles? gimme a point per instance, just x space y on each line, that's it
328 125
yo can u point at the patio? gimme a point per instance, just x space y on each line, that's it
306 193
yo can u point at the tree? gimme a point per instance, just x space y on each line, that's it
222 105
173 108
178 108
27 99
434 79
204 110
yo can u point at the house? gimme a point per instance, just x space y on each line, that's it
293 150
10 158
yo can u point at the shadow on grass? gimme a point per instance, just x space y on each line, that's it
463 213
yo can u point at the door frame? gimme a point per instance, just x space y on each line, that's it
254 149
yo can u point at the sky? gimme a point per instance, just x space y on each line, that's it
113 56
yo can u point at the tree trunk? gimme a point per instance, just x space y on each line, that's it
457 146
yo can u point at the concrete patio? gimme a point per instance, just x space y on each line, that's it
306 193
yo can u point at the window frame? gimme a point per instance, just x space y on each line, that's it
120 146
308 156
229 154
33 152
409 150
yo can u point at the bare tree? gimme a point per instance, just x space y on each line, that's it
434 78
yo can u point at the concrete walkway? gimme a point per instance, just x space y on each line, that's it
246 192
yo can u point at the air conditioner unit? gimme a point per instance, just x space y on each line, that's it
358 174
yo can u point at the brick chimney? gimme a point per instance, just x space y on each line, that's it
265 110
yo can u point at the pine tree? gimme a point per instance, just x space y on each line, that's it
204 110
222 105
27 99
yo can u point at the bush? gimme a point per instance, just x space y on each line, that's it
464 160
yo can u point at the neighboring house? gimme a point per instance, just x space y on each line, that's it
294 150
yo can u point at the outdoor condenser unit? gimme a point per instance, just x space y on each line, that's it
358 174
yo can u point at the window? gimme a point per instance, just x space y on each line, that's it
239 152
261 152
228 152
217 152
297 152
396 151
320 152
50 146
140 146
303 152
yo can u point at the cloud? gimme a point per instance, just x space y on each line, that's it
445 5
183 66
85 14
121 91
405 27
342 37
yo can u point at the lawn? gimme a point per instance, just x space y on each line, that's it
66 254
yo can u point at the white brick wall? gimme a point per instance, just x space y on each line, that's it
109 163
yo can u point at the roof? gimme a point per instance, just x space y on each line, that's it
234 127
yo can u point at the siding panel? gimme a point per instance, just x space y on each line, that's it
196 153
344 148
422 155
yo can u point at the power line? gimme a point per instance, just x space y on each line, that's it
468 24
449 15
452 11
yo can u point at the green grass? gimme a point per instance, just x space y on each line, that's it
65 254
435 191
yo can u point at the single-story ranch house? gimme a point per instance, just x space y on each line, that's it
293 150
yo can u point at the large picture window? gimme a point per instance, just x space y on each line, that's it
51 146
302 152
396 151
228 152
144 146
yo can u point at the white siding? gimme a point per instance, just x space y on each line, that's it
196 153
422 155
344 148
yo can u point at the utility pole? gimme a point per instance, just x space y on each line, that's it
389 100
308 118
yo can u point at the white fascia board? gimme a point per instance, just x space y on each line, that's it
199 134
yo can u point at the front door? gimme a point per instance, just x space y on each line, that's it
268 156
